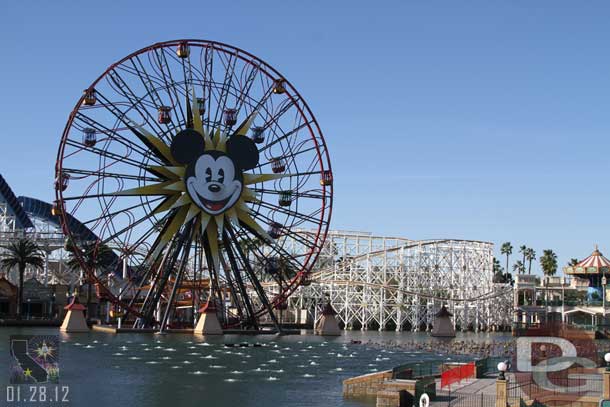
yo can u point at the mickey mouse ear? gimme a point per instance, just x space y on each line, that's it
243 152
187 146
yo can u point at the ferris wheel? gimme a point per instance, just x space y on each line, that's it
193 162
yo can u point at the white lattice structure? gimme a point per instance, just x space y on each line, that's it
7 220
376 282
45 234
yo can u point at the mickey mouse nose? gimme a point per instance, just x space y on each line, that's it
214 188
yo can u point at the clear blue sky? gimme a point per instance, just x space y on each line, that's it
480 120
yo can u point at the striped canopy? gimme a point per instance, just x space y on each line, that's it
596 259
595 264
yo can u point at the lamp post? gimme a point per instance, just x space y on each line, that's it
46 266
607 360
125 276
52 306
604 282
120 320
563 299
502 367
546 299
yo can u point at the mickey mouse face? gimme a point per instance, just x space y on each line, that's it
214 179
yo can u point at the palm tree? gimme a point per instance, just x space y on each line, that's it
97 258
573 262
548 262
530 255
497 271
506 249
523 250
497 267
519 267
21 253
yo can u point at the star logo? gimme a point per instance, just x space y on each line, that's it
44 351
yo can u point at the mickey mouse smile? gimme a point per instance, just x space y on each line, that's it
213 206
214 179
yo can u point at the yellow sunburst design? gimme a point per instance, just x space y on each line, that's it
173 187
45 351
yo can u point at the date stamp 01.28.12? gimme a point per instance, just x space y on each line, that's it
34 371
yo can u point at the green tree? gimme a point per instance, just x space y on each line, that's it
21 253
530 255
506 249
97 259
523 251
499 276
548 262
519 267
573 262
497 271
497 267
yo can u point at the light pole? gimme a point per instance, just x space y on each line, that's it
546 299
563 299
604 282
46 266
109 282
52 306
121 290
502 367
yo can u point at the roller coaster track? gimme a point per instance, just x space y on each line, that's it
485 296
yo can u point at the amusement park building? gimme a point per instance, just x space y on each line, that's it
46 290
578 299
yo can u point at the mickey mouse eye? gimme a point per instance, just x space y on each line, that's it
221 176
208 173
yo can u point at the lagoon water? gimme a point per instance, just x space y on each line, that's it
182 370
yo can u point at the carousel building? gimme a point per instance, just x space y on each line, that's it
589 277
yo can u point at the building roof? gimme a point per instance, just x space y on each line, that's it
7 289
75 305
596 263
208 307
596 259
443 312
328 309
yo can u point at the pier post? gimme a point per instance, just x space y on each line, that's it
208 323
501 396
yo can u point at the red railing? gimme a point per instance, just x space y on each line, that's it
457 374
